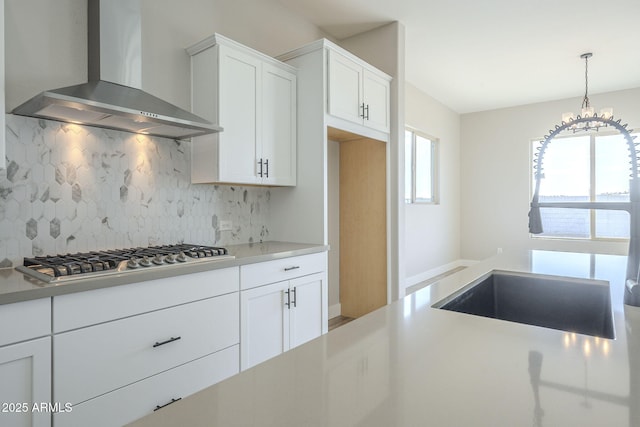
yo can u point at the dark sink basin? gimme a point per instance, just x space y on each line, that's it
572 305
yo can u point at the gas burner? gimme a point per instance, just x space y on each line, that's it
59 268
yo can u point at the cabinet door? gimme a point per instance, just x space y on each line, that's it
264 323
278 126
308 315
345 88
239 110
376 100
25 378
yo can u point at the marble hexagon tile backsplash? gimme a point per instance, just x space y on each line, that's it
69 188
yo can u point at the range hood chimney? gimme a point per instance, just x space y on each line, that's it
113 98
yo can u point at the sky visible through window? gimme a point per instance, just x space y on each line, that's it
424 162
612 165
585 168
419 168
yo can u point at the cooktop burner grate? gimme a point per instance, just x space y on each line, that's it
59 267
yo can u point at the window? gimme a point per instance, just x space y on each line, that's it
420 167
585 168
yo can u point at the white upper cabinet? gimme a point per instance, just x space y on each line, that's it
240 95
278 126
376 100
253 97
357 92
345 88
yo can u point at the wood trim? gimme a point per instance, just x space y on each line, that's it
363 226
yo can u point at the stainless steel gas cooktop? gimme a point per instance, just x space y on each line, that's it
59 268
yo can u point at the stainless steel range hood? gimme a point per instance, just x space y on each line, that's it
112 98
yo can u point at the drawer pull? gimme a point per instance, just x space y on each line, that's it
291 268
166 404
172 339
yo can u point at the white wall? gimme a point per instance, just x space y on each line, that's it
46 43
384 48
46 48
169 26
432 232
495 168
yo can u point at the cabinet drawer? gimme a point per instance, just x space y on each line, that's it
95 360
25 320
137 400
262 273
102 305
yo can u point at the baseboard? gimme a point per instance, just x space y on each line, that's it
335 310
426 275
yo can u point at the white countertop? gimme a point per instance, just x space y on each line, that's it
16 286
409 364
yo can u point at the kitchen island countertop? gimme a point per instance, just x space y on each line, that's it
16 286
408 364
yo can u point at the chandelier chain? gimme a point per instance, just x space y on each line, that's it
585 101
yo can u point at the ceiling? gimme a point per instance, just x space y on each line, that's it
481 55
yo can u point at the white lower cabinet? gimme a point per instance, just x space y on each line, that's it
281 316
25 364
92 361
25 383
275 317
110 356
264 324
155 342
306 308
129 403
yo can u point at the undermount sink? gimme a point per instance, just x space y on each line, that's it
573 305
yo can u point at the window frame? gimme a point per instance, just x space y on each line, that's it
592 187
434 170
